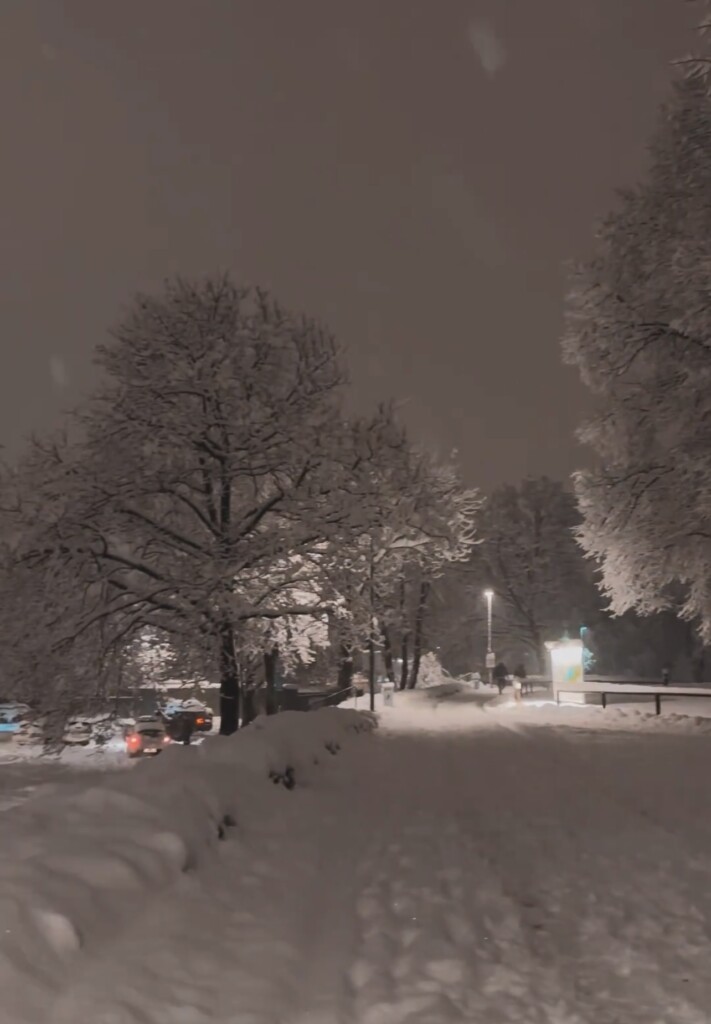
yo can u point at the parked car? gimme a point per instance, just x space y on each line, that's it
12 717
203 719
200 714
147 738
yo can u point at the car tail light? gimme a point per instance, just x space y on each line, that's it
199 721
133 740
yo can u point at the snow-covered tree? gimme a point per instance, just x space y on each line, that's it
56 679
639 331
530 558
212 495
209 467
154 657
430 522
697 64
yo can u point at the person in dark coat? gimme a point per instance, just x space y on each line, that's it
501 674
183 728
520 673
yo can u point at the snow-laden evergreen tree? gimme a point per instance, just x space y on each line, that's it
639 331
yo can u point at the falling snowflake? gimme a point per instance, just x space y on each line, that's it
58 372
487 46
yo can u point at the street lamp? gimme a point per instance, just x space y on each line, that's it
489 595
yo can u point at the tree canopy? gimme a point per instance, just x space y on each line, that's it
639 332
209 489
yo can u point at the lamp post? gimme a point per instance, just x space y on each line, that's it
489 595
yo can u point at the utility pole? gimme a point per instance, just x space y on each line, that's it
490 658
371 634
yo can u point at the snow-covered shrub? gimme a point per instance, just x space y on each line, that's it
77 862
431 672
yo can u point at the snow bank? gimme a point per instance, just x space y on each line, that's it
76 864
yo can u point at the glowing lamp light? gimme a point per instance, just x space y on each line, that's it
566 663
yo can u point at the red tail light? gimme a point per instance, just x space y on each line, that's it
199 721
133 740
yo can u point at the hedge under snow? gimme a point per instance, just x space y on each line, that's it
78 861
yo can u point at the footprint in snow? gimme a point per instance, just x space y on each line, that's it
368 907
449 972
450 874
411 1008
459 930
361 973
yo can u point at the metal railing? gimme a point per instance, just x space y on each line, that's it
657 693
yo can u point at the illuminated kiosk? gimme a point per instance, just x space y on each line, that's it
567 668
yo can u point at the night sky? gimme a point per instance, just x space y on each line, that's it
415 172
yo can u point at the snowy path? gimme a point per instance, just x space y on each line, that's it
492 876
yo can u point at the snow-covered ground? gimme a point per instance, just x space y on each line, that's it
457 707
460 864
27 772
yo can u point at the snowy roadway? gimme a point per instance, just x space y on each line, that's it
22 777
491 874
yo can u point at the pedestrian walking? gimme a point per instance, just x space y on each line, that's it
520 673
183 728
501 675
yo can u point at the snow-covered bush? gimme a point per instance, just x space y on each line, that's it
76 862
431 672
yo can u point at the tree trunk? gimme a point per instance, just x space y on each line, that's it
371 668
371 635
698 666
419 633
345 667
249 705
229 683
695 652
388 653
404 639
119 689
404 655
271 659
539 649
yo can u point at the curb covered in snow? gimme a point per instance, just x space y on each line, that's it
84 859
